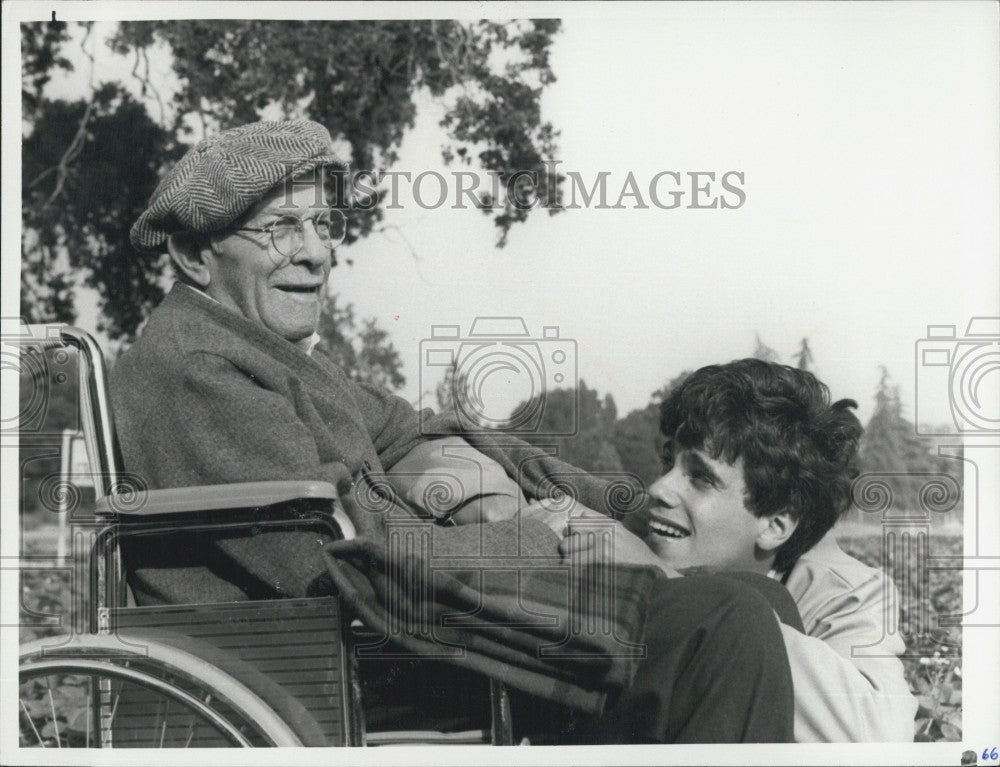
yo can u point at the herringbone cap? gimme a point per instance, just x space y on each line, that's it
222 176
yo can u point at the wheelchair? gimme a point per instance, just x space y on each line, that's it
265 672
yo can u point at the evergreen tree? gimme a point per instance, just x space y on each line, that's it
890 445
762 351
804 356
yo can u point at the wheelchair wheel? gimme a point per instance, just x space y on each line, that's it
98 691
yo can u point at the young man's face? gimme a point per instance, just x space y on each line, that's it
699 518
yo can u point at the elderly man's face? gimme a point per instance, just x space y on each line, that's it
248 275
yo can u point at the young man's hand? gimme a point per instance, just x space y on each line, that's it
590 534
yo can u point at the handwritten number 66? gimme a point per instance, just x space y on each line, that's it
990 755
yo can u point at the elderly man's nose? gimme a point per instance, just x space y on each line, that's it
313 251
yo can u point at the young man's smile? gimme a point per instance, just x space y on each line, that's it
699 517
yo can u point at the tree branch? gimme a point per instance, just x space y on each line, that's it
76 145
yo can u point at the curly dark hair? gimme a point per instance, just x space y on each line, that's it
799 451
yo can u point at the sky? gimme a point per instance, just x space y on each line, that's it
867 139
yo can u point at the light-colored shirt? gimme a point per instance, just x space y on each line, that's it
846 672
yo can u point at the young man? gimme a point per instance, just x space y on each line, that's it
759 468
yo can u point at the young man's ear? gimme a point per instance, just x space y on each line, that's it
775 530
191 255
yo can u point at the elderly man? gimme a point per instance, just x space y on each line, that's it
225 386
760 466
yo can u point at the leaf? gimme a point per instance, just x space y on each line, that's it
950 731
927 706
37 707
78 721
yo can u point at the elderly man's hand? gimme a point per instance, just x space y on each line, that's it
494 507
594 536
452 482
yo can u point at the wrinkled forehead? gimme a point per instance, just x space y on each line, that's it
316 189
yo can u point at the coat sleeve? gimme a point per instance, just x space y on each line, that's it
848 678
218 426
443 475
392 423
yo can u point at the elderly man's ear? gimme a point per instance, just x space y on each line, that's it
775 530
191 256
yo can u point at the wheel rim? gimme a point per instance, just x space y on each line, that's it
91 717
90 692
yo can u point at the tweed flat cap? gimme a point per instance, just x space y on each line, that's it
223 175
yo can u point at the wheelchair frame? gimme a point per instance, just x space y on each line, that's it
255 695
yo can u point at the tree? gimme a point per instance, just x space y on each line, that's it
804 356
88 170
762 351
453 395
637 436
90 165
579 424
889 443
364 351
636 439
891 446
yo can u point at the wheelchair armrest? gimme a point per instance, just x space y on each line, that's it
236 496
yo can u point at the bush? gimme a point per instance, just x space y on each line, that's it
933 660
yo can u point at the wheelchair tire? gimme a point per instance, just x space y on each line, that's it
119 691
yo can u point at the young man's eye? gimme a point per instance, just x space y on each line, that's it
702 481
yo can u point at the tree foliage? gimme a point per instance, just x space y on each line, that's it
91 164
762 351
804 356
361 348
578 423
88 170
891 447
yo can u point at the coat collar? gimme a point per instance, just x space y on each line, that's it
192 304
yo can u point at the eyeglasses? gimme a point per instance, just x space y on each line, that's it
288 233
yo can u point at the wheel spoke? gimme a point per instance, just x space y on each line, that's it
90 701
32 723
55 724
166 686
191 731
